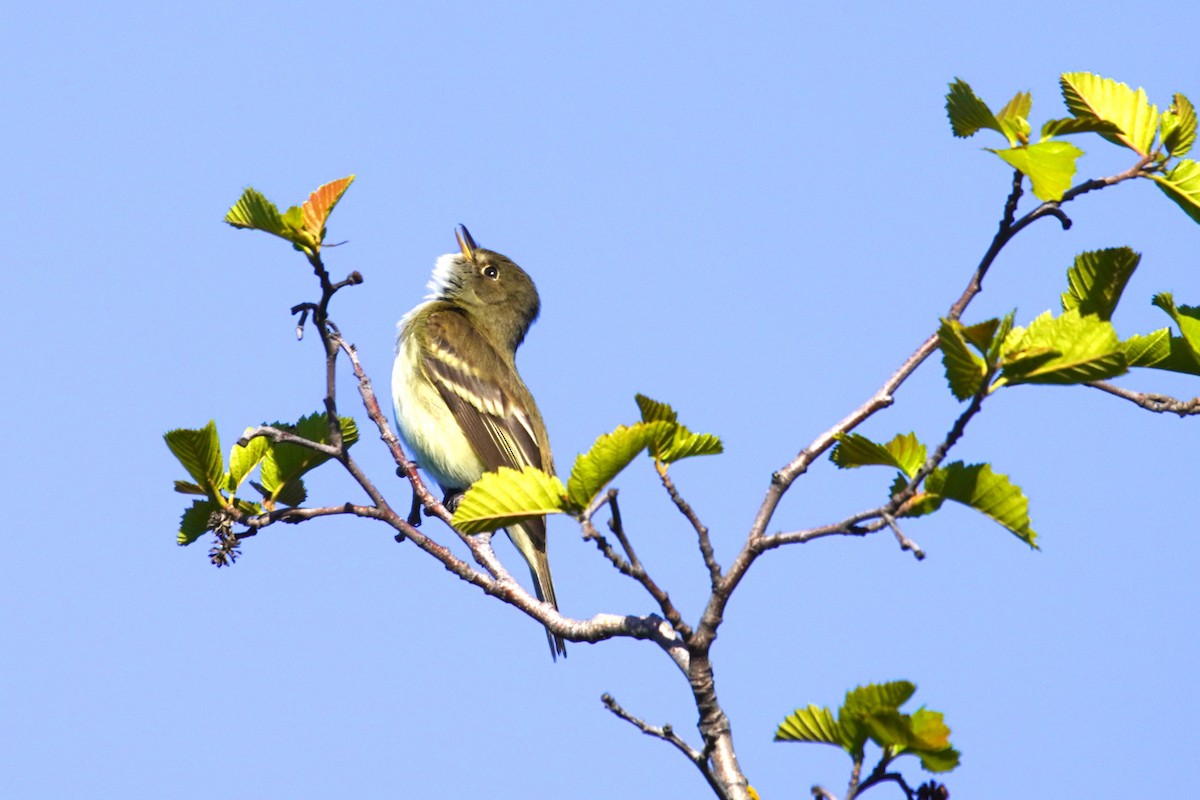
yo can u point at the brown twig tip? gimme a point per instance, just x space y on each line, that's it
354 278
1158 403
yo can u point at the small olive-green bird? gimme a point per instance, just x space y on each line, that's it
460 403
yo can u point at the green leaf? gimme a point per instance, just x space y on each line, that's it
812 724
508 496
284 463
1089 96
654 411
904 452
199 450
1179 127
685 444
610 454
876 696
1013 118
255 212
1182 185
1069 125
1049 164
965 371
920 504
195 521
981 334
931 741
185 487
968 114
1148 350
244 459
988 492
1066 349
1186 317
675 442
1097 280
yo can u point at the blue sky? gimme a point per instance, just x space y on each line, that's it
752 212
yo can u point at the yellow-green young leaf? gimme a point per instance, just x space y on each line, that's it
920 504
1064 350
1091 97
199 450
1097 279
981 334
254 211
1186 317
243 459
1182 184
195 521
931 741
685 444
1049 164
1148 350
1069 125
876 696
320 205
1181 357
284 463
812 724
968 114
508 496
985 491
1013 118
1179 127
965 371
903 452
610 454
654 411
187 487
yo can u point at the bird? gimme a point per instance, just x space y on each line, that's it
459 401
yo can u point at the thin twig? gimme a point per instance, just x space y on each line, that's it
1158 403
905 542
702 536
668 735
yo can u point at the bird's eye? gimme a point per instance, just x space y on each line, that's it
490 271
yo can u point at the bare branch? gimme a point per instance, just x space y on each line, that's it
1158 403
905 542
706 548
278 435
667 734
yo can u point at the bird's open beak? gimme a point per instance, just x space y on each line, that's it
465 242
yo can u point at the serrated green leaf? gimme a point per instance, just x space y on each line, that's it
988 492
1067 349
186 487
968 114
997 343
1070 125
1148 350
1089 96
284 463
194 522
1186 317
199 450
508 496
1050 165
965 371
1097 279
919 504
904 452
610 454
1182 185
876 696
685 444
981 334
654 411
812 724
1179 127
254 211
1013 118
244 459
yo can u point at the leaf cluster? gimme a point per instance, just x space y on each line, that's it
302 225
872 713
281 466
1097 105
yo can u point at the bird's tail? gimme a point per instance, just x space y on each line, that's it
530 538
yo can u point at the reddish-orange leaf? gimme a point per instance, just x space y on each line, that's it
320 205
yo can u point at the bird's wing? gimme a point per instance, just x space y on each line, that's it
493 417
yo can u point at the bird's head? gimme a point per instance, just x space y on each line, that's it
498 295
